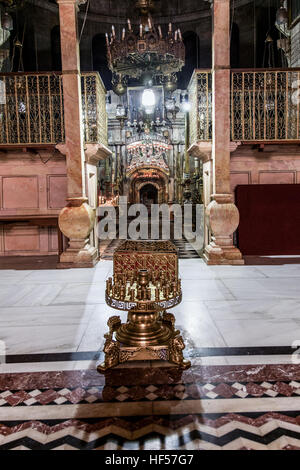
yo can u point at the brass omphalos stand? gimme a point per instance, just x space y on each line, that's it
149 333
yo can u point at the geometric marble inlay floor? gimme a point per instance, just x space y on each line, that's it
241 326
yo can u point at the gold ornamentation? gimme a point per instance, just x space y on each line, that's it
149 332
145 50
176 346
112 352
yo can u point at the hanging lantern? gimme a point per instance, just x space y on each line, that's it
119 85
282 15
171 83
7 22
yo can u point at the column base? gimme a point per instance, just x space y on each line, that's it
216 255
84 257
76 221
222 218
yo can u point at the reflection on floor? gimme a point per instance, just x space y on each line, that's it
242 391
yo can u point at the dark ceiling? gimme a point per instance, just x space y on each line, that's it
162 7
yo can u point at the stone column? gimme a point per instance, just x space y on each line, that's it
222 216
77 219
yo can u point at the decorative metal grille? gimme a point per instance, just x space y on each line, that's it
265 105
94 108
200 97
31 109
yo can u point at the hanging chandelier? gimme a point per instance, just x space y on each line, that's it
145 52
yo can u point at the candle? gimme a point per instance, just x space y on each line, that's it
123 34
129 24
106 37
159 32
113 31
179 33
170 27
176 32
149 23
141 30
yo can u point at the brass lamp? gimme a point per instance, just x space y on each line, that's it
149 333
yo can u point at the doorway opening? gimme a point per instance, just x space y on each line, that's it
148 195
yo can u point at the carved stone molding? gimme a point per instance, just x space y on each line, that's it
233 146
201 150
96 152
71 2
62 148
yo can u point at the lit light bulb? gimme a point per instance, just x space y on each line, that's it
186 106
148 98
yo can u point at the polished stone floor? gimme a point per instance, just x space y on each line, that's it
64 310
242 391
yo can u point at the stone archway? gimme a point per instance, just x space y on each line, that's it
150 176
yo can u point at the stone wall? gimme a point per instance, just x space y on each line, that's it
31 185
275 164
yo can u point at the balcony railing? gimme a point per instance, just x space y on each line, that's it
32 112
265 105
201 106
94 108
31 109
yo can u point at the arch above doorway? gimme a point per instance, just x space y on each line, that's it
150 176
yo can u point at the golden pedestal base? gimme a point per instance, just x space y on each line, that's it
156 339
145 284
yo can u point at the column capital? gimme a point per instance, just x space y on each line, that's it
217 1
71 2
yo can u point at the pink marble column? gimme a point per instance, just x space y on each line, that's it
77 219
222 216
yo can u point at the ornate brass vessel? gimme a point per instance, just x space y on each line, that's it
146 294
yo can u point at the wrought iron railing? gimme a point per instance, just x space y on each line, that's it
200 98
32 112
265 105
31 108
94 108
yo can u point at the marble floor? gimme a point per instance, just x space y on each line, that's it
241 326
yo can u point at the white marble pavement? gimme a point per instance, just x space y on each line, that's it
50 311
